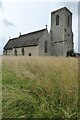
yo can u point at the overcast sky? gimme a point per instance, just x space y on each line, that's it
26 16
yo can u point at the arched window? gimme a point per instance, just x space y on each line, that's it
15 52
57 20
68 20
22 51
6 52
45 47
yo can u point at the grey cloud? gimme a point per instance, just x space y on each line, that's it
1 6
7 23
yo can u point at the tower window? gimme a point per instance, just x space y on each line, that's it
68 21
45 47
57 20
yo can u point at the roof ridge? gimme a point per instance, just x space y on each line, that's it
32 32
27 34
13 38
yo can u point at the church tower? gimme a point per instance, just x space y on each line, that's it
61 31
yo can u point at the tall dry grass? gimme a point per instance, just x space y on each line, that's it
0 87
40 87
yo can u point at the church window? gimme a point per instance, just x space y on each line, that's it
68 21
22 51
57 20
15 52
45 47
6 52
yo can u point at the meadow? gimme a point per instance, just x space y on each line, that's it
0 87
40 87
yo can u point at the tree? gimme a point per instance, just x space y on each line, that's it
71 53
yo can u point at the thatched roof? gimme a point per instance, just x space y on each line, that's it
30 39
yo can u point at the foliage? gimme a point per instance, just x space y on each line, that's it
71 53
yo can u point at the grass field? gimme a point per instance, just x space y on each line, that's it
39 87
0 87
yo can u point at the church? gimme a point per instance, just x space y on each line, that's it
57 42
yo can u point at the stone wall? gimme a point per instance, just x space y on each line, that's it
7 52
33 50
61 34
45 37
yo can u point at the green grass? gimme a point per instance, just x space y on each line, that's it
39 87
0 87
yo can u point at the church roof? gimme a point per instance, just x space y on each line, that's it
30 39
63 8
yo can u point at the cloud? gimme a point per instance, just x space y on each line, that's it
1 6
7 23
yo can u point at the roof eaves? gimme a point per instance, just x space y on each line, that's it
20 47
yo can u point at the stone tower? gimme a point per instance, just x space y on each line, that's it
61 31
